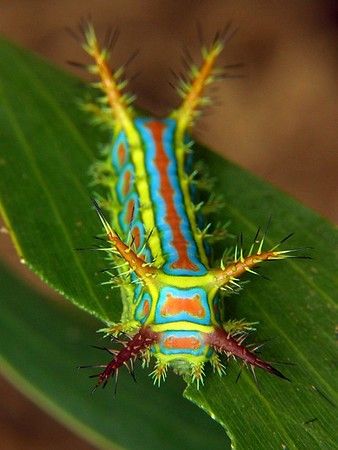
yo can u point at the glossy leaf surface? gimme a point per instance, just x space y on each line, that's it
45 151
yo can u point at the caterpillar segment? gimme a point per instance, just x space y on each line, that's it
157 235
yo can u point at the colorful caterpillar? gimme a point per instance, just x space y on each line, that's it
172 298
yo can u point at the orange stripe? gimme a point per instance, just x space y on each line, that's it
130 211
146 308
136 237
121 154
182 342
176 305
126 183
166 190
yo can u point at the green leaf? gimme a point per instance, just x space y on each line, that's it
297 314
46 149
41 342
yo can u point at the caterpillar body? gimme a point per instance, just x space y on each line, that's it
172 297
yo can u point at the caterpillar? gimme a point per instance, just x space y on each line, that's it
172 294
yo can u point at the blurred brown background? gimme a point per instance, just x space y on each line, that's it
278 120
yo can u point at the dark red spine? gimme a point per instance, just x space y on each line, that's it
133 348
223 342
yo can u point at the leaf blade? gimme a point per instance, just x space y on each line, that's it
55 124
41 341
300 328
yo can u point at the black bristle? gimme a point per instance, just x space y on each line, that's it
77 64
256 235
116 382
267 227
73 35
233 66
82 249
239 374
286 238
112 39
96 375
131 58
277 373
227 34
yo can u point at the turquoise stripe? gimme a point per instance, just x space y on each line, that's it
166 236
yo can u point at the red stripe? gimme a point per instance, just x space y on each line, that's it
173 220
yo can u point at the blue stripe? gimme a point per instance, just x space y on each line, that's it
170 253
